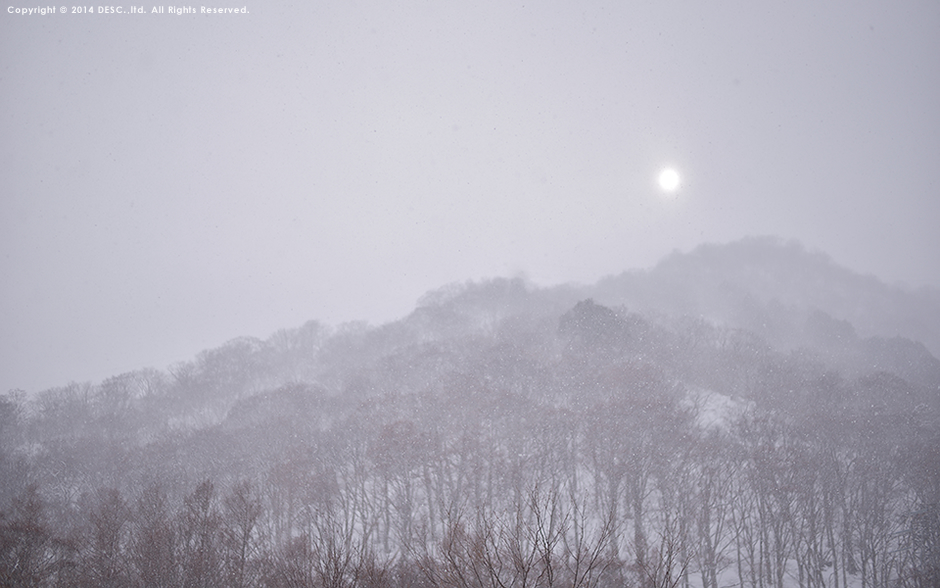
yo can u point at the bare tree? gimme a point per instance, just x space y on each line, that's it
199 538
154 541
242 510
104 563
664 566
30 555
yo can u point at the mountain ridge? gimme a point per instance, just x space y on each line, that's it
775 273
500 402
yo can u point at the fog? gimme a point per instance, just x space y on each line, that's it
438 295
716 421
172 181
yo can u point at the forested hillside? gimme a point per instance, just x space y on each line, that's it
743 415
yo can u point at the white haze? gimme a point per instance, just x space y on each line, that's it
169 182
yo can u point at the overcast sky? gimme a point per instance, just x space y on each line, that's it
172 181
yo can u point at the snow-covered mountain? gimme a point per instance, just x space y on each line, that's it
749 411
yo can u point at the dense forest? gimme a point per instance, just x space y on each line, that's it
742 415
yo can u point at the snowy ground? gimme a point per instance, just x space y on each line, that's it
714 410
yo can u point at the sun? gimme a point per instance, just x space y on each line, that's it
669 179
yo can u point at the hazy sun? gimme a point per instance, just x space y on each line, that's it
669 179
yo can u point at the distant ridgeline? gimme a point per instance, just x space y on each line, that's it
748 414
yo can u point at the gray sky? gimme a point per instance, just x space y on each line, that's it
172 181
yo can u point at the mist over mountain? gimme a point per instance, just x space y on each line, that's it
770 286
749 413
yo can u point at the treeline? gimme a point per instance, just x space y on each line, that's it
475 444
627 492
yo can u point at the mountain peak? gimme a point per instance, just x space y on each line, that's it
741 282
